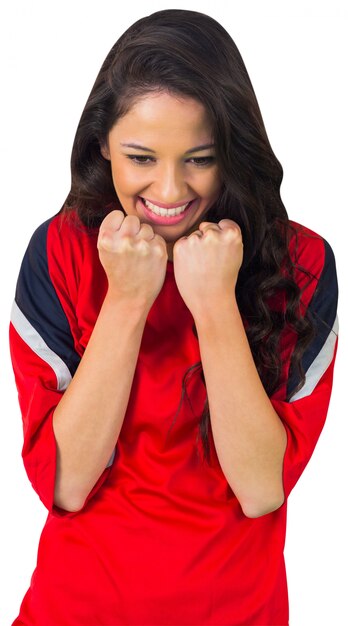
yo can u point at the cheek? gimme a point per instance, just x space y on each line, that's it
212 186
125 181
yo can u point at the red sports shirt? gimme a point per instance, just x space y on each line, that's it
161 538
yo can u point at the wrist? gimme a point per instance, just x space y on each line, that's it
217 310
130 308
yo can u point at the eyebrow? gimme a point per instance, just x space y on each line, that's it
204 146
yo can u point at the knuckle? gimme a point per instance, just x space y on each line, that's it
104 238
211 232
145 230
142 247
132 218
114 218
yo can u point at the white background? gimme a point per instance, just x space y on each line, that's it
295 54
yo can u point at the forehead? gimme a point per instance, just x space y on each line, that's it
152 115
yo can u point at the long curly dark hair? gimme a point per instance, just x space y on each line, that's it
188 53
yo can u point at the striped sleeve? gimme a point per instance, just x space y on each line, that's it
44 360
305 413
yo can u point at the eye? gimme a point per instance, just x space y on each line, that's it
202 161
137 159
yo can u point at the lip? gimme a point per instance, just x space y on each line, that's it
164 221
168 206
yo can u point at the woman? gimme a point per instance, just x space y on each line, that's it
174 371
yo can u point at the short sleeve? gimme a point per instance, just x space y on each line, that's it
44 360
305 413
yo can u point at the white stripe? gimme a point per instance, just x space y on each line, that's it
111 459
319 365
32 338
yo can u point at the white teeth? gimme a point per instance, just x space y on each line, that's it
165 212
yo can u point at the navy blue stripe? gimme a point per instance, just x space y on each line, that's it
323 308
38 300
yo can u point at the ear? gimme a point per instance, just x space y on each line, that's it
105 152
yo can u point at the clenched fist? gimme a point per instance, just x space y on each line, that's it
133 257
207 263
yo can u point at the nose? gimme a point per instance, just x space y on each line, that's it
170 186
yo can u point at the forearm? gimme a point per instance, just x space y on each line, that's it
89 417
249 437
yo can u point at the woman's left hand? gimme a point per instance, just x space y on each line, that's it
207 263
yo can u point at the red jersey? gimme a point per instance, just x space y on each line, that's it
161 538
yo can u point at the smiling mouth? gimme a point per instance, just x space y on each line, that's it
162 211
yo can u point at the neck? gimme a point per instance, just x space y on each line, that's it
170 246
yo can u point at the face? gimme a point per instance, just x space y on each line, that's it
166 164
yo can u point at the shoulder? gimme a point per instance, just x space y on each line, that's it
61 255
314 260
65 228
60 241
309 248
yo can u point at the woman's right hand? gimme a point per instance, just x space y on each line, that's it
133 257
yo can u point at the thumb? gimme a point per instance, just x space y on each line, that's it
227 223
